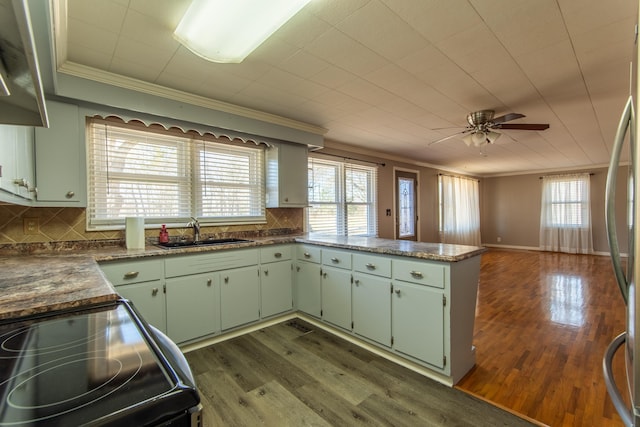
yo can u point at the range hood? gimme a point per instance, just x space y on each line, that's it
21 95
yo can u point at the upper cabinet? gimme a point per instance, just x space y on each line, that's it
287 182
16 163
60 158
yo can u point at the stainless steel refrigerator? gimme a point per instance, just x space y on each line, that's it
626 275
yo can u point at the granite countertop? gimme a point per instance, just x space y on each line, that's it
38 278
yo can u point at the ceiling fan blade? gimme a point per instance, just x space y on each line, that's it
524 126
449 137
507 117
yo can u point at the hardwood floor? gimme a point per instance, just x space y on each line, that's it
543 321
294 374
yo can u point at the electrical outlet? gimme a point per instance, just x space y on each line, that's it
499 239
31 226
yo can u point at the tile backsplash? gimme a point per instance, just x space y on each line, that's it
21 224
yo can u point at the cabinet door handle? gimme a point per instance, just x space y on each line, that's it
69 194
397 291
324 275
154 292
226 279
335 260
357 282
131 274
416 274
371 266
297 268
307 255
266 272
278 255
209 282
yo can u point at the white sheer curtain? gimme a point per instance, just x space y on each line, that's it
460 210
565 217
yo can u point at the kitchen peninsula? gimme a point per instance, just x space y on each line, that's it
411 302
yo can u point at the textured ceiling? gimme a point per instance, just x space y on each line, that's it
389 75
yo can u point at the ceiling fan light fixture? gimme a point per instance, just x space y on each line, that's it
492 136
228 31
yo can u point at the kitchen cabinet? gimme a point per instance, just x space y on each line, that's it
287 176
336 288
141 282
193 306
276 281
60 158
307 280
16 161
239 296
371 297
418 322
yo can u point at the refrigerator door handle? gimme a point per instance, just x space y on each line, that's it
612 388
610 192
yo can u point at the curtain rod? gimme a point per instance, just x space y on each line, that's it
459 176
542 177
351 158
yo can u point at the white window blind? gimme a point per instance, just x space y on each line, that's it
169 177
342 198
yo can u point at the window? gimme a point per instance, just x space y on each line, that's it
168 177
459 210
565 215
342 198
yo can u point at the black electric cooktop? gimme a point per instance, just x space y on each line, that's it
92 367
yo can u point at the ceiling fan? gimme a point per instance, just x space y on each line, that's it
482 124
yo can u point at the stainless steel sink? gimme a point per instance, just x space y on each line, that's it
207 242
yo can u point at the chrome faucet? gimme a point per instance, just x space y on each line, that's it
196 229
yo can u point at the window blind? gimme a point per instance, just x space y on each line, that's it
169 177
342 198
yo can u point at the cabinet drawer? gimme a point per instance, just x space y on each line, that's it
308 253
275 253
335 258
184 265
371 264
124 272
423 273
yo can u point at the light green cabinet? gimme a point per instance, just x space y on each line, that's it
60 158
276 291
418 322
16 162
371 299
141 282
308 295
287 176
336 296
239 296
193 306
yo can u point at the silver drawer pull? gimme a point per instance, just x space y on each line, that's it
278 255
209 282
416 274
154 292
335 260
371 266
397 291
226 279
357 282
266 272
307 255
131 274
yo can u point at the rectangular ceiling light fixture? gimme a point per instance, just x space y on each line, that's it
228 31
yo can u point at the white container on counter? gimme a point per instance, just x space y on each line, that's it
134 232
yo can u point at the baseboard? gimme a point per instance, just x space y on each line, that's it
537 249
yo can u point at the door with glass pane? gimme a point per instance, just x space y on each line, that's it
406 205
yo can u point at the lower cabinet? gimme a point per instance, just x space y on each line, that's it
240 296
193 306
371 302
418 322
336 296
308 295
276 291
148 299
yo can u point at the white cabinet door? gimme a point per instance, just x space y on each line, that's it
308 295
239 296
276 289
60 158
148 299
372 307
193 306
418 322
336 296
